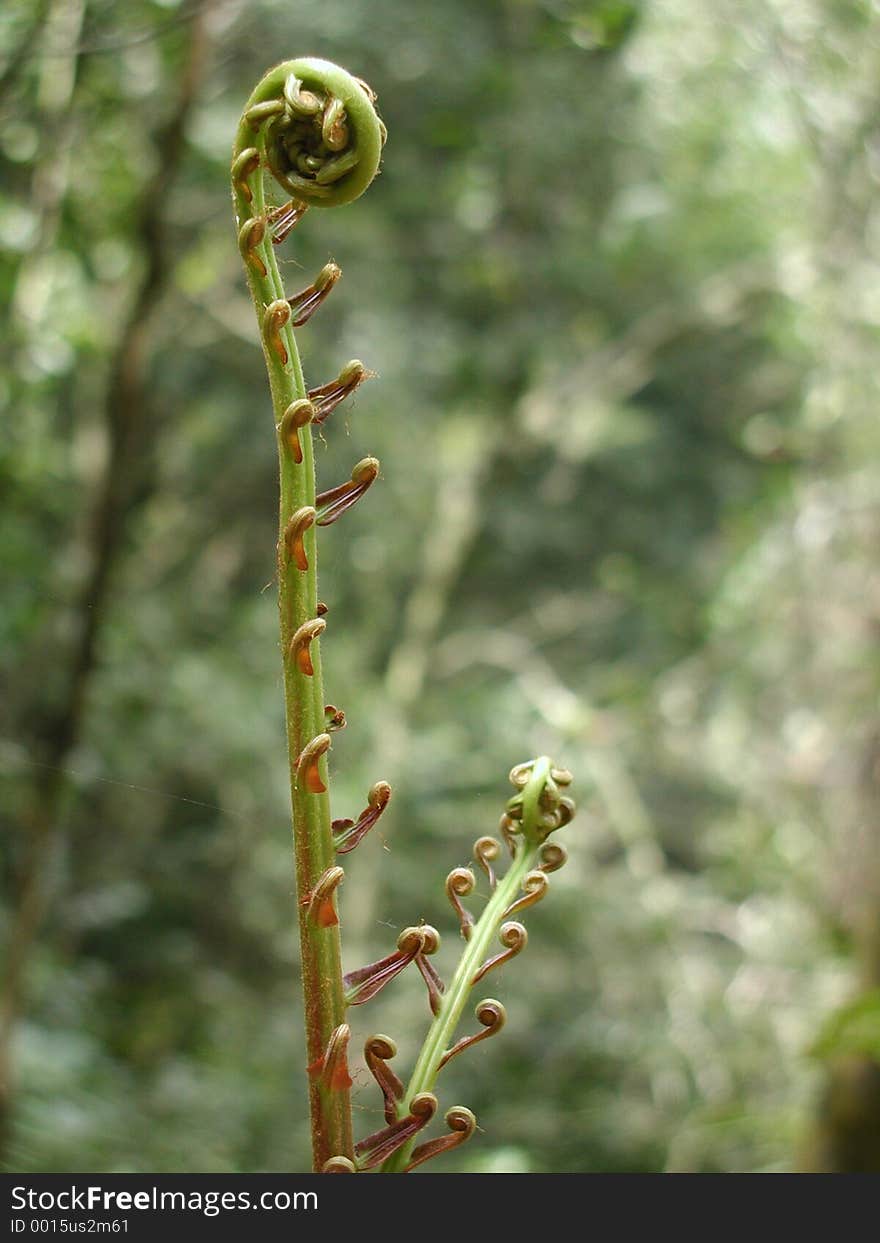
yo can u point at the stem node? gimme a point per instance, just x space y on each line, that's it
294 531
321 901
308 773
298 415
330 1071
300 644
250 235
244 166
275 317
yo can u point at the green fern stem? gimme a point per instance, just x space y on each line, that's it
262 143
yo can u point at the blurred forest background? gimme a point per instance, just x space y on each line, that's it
619 282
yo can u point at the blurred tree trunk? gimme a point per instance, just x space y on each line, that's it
121 486
846 1135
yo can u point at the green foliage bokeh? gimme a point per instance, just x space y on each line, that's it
617 279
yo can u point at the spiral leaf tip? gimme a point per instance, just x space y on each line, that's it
306 302
378 1051
323 137
349 833
339 1165
538 807
362 985
334 503
326 397
461 1123
382 1144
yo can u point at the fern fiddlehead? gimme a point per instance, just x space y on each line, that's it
314 130
538 807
